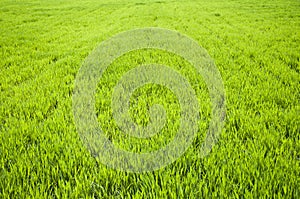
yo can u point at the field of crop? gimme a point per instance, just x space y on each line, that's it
254 44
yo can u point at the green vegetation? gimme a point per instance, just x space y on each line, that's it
255 45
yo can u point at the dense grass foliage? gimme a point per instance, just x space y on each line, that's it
255 45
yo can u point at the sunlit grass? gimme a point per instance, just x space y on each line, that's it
255 45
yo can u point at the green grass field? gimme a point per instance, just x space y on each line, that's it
255 45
